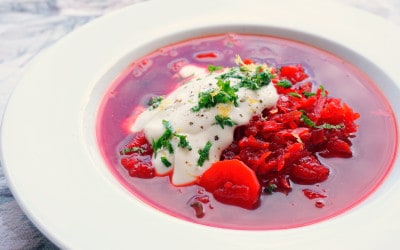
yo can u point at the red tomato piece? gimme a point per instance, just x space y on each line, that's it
232 182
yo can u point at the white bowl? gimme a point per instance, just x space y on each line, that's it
49 146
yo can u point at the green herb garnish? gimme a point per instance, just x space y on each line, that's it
259 79
165 140
223 94
294 94
165 161
323 91
232 73
213 68
224 121
308 94
284 84
183 143
204 154
307 120
271 188
311 124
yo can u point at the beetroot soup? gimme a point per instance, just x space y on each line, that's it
290 135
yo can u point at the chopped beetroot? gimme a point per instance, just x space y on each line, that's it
282 143
136 157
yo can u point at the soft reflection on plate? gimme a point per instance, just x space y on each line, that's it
56 172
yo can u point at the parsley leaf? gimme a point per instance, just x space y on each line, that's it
307 120
183 143
311 124
223 120
294 94
308 94
323 91
213 68
284 84
204 154
165 161
259 79
165 140
232 73
271 188
223 94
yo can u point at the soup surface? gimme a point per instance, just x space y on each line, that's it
350 181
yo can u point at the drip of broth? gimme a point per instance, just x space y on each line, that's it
351 180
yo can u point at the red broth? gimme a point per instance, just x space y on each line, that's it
351 180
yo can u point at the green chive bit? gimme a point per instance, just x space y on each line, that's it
204 154
165 161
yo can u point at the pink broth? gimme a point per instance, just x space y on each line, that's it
351 180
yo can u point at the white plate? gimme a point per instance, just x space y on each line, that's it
48 142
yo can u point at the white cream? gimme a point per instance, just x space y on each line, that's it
199 127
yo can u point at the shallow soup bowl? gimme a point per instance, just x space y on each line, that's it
73 196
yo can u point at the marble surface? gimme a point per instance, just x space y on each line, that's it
29 26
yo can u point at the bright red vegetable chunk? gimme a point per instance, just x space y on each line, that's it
232 182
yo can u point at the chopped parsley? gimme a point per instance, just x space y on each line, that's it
183 143
307 121
323 91
232 73
165 140
271 188
308 94
294 94
213 68
204 154
224 121
223 94
284 84
257 80
165 161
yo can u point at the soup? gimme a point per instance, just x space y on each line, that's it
350 181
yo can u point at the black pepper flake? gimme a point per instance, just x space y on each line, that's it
216 138
191 123
202 127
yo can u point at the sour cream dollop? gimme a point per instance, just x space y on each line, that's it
199 127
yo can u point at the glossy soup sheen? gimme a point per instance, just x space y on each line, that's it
351 180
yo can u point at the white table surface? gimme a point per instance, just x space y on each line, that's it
29 26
